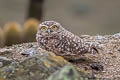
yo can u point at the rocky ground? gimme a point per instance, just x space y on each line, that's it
27 62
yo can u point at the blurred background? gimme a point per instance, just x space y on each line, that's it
19 19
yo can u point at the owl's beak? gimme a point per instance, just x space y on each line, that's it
49 31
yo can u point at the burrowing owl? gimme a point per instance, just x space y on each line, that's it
51 36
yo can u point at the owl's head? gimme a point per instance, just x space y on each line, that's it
49 28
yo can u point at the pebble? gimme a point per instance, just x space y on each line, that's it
1 64
30 52
117 35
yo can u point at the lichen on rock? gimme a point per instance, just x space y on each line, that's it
21 67
68 72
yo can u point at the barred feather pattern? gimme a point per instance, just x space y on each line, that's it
64 43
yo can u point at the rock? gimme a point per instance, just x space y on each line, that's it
4 61
29 52
40 64
5 51
37 67
68 73
97 66
117 35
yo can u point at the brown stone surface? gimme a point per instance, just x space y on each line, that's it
28 60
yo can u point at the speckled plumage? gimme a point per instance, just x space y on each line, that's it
62 42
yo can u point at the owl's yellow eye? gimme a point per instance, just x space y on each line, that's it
43 28
54 27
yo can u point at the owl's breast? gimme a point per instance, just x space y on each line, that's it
49 43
